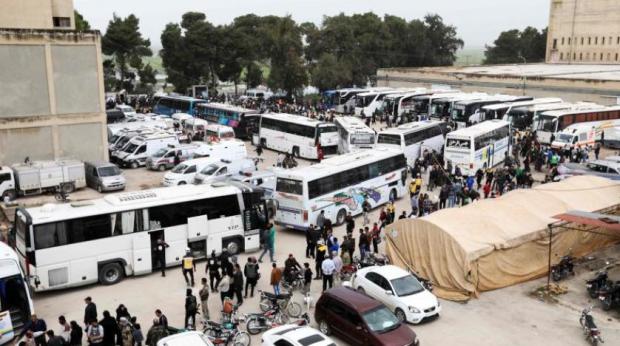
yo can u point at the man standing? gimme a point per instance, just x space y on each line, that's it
204 297
363 244
350 222
328 268
269 244
90 311
191 308
225 263
238 283
251 275
320 220
366 209
94 333
110 329
163 320
213 269
312 235
160 255
321 250
337 264
276 277
189 267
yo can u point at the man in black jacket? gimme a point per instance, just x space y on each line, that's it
90 312
110 329
213 268
312 236
238 283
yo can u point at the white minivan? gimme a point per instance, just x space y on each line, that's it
164 158
139 148
224 168
414 138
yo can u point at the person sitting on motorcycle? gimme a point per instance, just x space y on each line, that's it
291 267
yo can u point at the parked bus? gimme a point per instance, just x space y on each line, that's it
422 103
520 115
441 107
366 103
465 112
344 99
104 240
244 121
414 138
482 146
168 105
338 186
551 122
354 134
298 135
15 301
499 110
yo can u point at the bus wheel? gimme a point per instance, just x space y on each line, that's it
342 214
233 247
393 195
110 274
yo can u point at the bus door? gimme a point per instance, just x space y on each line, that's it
491 155
142 253
197 231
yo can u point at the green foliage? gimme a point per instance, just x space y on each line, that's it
253 75
124 43
81 24
329 73
515 46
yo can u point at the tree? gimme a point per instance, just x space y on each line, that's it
81 24
330 73
513 46
253 75
123 41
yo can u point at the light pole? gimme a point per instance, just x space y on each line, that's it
524 75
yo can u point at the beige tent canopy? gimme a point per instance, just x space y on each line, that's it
495 243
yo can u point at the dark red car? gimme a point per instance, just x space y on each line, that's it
360 320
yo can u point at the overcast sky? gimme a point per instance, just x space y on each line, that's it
478 22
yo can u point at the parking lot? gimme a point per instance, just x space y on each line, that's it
506 316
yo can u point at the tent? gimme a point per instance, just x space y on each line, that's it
495 243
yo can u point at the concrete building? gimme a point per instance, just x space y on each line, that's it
51 88
573 83
584 32
37 14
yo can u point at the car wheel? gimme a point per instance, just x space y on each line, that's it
134 165
324 328
400 314
11 194
161 168
340 217
182 183
110 274
361 290
99 189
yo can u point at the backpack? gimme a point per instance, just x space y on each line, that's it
193 305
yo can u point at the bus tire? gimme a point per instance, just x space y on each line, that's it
393 195
68 187
233 246
11 194
340 217
111 273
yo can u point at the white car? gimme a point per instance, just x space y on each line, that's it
400 291
294 335
192 338
128 111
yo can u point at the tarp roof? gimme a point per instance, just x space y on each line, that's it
606 221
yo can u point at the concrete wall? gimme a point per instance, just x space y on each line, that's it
51 96
569 90
34 14
584 31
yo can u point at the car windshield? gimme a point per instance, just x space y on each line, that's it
381 320
160 153
564 138
209 170
406 286
179 168
131 147
109 171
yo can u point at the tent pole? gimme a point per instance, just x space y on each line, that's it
549 265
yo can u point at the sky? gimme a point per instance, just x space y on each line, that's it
478 22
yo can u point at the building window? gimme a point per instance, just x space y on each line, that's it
611 40
569 40
62 22
580 56
608 56
601 56
618 41
587 56
582 41
561 56
616 56
574 56
602 40
555 43
589 41
596 40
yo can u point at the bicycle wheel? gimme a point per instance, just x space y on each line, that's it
242 339
294 309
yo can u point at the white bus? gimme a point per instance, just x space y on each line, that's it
422 103
354 134
344 99
15 301
368 102
465 112
499 111
338 186
441 107
298 135
414 138
482 145
104 240
520 115
551 122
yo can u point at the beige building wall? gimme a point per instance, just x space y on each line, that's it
584 32
36 14
51 96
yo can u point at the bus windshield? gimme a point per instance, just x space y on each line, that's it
364 101
291 186
458 143
547 123
564 138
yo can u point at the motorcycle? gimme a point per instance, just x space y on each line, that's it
294 281
269 301
591 332
563 269
594 285
609 295
258 323
226 333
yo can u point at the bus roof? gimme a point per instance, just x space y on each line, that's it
338 164
227 107
353 123
535 102
478 129
125 201
411 127
580 108
292 118
438 94
460 97
489 98
184 98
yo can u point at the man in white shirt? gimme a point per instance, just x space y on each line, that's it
337 265
328 268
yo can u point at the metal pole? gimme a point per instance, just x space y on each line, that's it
549 265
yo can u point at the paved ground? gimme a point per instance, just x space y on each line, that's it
506 316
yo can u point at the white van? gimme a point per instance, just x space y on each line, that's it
184 172
139 148
222 169
16 304
414 138
164 158
584 134
215 132
178 119
194 128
